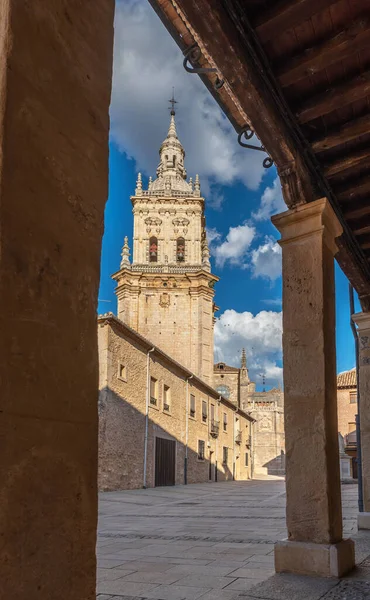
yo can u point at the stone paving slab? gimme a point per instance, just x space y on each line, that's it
207 541
177 592
292 587
349 590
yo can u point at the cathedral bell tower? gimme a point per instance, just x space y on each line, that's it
166 294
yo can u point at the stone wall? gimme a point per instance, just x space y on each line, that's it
268 433
229 378
122 416
346 411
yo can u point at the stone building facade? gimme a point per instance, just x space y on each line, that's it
166 294
267 408
347 410
161 422
150 405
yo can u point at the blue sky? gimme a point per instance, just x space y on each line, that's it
240 194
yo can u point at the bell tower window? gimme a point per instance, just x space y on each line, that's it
153 249
180 249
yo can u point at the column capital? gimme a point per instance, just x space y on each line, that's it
308 219
362 320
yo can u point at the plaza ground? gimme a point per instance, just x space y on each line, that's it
211 541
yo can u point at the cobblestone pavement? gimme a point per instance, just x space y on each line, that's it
210 541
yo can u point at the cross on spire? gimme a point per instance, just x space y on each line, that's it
173 102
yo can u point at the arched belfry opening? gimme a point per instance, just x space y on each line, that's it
180 249
153 249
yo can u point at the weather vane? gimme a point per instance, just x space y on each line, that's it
173 102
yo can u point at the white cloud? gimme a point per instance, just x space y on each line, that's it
215 199
235 246
260 335
273 301
147 63
212 235
271 202
266 260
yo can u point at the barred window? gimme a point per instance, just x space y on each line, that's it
192 405
204 411
201 449
225 452
153 391
166 398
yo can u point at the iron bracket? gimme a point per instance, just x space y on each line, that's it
248 133
192 56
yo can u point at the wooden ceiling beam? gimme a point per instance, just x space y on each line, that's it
341 135
287 14
361 229
347 162
331 51
356 187
335 98
357 212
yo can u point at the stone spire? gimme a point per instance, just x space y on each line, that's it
139 185
206 264
197 186
244 375
171 172
125 261
244 359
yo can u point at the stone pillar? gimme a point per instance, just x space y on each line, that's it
314 515
55 79
362 321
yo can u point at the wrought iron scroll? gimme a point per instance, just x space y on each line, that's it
191 64
248 133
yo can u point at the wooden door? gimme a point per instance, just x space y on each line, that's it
165 461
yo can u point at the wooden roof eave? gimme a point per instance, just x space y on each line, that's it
243 97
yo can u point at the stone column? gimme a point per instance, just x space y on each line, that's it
314 515
362 321
55 79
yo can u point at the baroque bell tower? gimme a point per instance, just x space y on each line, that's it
166 294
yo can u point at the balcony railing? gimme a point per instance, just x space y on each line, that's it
192 412
238 437
166 407
153 401
215 428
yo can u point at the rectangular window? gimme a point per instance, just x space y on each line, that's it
204 411
353 397
246 459
122 372
201 448
153 391
166 398
224 455
225 421
192 406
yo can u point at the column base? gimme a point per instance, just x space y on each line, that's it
323 560
363 520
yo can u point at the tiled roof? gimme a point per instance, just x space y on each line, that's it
220 366
347 379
